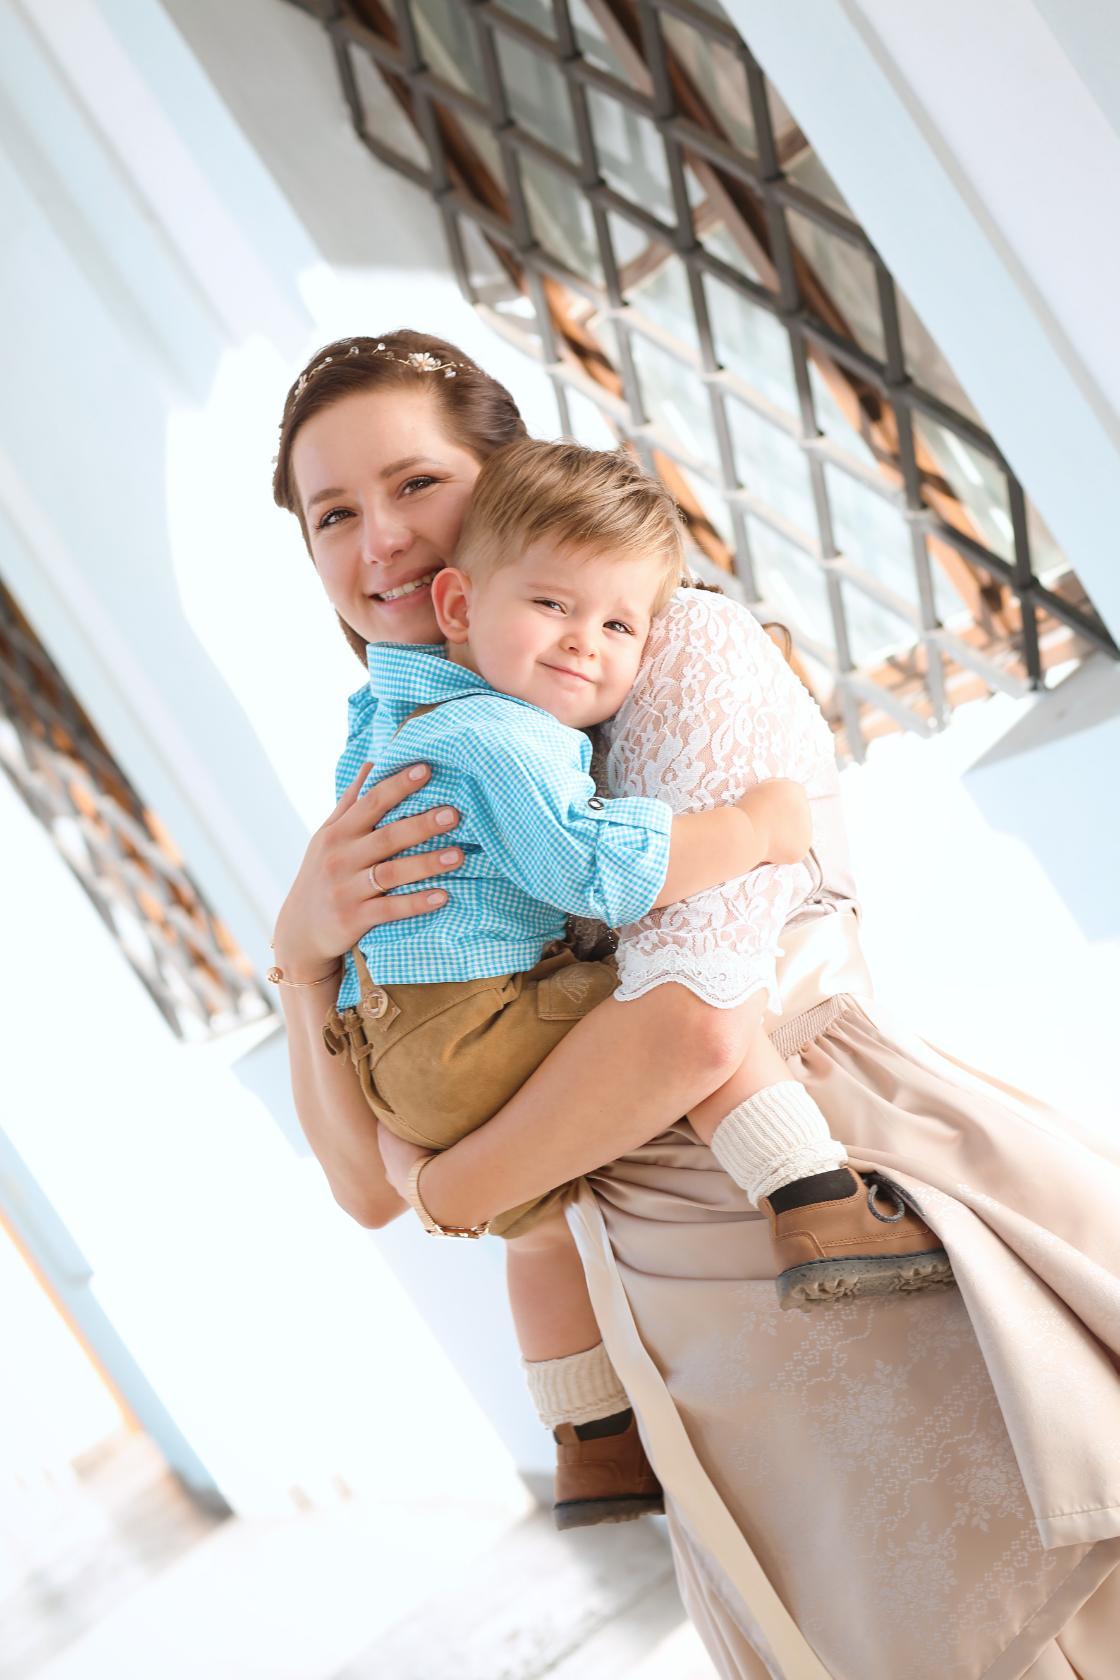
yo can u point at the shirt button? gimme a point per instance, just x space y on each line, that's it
595 804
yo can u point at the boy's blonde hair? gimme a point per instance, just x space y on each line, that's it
598 500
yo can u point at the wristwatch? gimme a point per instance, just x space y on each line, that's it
433 1226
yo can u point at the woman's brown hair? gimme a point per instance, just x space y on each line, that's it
476 412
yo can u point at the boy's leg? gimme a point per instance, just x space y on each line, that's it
835 1234
602 1473
763 1127
548 1296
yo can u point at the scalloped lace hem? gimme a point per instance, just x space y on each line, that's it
722 991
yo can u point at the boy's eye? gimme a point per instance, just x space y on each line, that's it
540 601
617 624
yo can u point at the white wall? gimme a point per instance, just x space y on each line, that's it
979 160
1087 34
272 1329
1033 152
985 860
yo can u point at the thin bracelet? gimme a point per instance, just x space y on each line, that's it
433 1226
279 978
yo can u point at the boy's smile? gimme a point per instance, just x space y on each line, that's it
559 628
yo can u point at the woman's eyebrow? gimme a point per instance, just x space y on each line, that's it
321 496
395 467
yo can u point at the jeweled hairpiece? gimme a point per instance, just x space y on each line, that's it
422 361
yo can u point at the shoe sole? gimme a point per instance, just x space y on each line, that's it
586 1513
821 1282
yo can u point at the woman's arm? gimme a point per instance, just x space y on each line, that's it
330 906
336 1119
622 1075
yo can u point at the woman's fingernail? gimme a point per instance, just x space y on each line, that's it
445 818
437 898
449 857
418 773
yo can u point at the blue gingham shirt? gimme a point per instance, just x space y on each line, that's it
538 844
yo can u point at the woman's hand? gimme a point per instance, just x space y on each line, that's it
779 810
332 901
399 1157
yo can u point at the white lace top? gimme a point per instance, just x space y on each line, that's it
715 709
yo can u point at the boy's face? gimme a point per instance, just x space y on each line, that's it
562 630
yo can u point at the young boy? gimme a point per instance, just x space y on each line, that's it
565 558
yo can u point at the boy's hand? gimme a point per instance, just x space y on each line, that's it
779 810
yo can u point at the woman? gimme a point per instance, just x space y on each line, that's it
844 1499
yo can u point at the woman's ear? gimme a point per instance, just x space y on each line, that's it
451 603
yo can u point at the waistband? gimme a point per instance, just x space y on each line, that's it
793 1035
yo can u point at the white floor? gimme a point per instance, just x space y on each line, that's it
398 1592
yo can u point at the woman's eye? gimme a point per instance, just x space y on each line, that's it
333 516
420 482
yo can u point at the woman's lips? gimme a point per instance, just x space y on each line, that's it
406 590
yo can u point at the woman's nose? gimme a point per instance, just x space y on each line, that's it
384 538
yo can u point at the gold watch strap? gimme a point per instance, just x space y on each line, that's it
432 1226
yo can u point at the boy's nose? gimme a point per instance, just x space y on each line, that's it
579 639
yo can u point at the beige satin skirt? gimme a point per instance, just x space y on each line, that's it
912 1489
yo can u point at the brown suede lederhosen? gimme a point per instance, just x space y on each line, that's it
437 1061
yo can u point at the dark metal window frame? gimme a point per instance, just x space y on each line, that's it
115 847
387 32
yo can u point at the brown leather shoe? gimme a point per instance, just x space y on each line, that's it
862 1240
607 1479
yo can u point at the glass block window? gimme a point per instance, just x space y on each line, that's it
680 260
116 847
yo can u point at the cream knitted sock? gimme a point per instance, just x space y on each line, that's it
579 1388
777 1135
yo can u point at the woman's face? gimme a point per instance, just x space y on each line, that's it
383 491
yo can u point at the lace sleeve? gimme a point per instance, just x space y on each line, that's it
714 710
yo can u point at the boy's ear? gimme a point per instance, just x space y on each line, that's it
451 602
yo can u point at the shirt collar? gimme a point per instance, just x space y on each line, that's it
404 675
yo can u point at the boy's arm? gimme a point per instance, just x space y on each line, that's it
769 824
545 827
536 815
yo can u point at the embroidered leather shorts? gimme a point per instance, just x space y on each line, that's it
437 1061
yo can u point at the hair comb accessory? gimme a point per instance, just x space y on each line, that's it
421 361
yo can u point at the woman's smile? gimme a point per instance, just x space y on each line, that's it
402 591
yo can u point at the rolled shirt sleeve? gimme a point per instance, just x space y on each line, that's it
538 817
